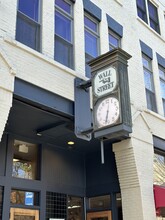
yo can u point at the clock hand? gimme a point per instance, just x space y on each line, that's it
106 119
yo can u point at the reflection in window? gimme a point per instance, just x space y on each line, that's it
91 41
25 160
24 197
159 168
75 208
100 202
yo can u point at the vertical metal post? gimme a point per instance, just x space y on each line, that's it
102 151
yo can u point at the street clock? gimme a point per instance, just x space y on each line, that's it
110 91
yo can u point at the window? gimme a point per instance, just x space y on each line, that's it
100 202
91 41
141 10
63 49
28 27
152 16
159 168
19 197
114 40
62 206
162 85
149 85
25 160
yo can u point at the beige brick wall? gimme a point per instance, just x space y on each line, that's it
134 157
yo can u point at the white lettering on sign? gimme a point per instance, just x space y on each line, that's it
105 81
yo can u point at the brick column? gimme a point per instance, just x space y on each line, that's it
7 75
134 160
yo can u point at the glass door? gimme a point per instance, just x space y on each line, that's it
103 215
24 214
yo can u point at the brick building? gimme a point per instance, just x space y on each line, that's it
46 171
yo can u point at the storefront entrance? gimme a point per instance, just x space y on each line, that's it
23 214
103 215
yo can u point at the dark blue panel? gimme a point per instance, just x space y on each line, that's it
146 49
115 26
64 171
92 9
101 178
83 118
161 60
43 97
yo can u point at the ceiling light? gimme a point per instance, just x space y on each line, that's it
70 142
39 134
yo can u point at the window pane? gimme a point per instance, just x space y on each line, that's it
159 169
151 101
141 3
29 8
56 205
75 208
162 74
152 11
27 32
63 52
63 26
100 202
119 206
90 44
24 197
148 80
114 41
147 63
162 86
64 5
90 24
25 160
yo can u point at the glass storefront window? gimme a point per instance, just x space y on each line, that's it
20 197
100 202
25 160
75 208
119 206
159 168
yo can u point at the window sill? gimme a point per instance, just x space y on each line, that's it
156 115
43 57
149 28
120 2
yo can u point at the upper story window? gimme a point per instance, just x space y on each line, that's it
91 40
151 16
28 27
149 84
162 85
114 40
63 49
141 9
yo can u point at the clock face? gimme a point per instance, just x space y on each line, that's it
107 112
